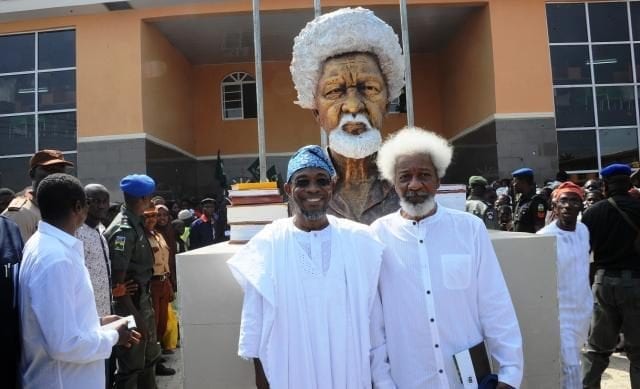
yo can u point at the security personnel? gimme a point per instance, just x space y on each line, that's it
132 258
613 231
477 205
531 209
23 210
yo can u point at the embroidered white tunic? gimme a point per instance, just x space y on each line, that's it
442 292
63 343
308 299
575 299
96 259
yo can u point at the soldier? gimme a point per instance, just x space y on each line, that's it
531 209
477 205
132 258
23 210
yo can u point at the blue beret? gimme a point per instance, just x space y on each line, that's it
525 171
308 157
138 185
616 169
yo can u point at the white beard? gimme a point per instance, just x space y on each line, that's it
355 146
418 210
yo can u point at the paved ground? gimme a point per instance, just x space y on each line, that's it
615 377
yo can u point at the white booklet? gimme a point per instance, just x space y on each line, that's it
130 321
473 365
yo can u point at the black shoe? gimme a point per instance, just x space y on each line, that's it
162 370
162 360
167 352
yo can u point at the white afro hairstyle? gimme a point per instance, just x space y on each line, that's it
412 141
347 30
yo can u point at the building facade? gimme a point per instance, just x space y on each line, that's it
160 87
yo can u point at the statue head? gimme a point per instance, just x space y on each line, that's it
347 66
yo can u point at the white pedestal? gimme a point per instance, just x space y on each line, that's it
211 302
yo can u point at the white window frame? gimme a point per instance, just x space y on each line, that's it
36 110
239 79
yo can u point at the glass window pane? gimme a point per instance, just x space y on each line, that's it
577 150
608 22
569 65
566 23
16 93
635 20
18 54
57 90
612 64
249 102
14 173
233 113
232 88
57 131
574 107
616 106
17 135
232 96
56 49
233 104
619 145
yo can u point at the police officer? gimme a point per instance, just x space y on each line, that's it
132 258
477 204
531 209
23 210
613 230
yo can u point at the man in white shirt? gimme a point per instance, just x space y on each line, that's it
64 345
441 287
310 284
575 299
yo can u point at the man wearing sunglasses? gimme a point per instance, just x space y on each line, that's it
310 283
23 210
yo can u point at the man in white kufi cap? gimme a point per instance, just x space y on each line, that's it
347 66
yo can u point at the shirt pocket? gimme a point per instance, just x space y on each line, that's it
456 270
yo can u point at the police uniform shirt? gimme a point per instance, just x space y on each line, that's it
129 249
531 209
611 237
26 214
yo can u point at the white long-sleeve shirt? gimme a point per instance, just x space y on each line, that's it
575 299
441 292
63 343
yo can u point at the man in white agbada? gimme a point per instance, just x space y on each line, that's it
441 287
574 293
310 283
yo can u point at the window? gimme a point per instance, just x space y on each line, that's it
594 48
399 104
37 99
239 97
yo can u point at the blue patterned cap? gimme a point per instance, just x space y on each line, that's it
309 156
615 169
138 185
525 171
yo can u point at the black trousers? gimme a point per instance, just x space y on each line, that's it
616 309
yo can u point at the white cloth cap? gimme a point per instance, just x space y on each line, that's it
346 30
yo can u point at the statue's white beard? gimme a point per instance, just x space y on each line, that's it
355 146
418 210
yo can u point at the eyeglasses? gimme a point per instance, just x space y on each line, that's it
576 203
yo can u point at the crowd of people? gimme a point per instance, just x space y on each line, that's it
85 263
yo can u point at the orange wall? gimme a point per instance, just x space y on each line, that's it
287 126
166 90
521 56
468 85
